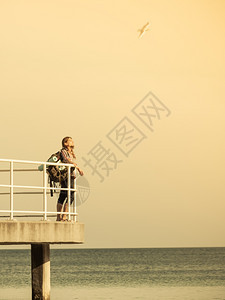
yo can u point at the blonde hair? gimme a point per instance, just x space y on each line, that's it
64 140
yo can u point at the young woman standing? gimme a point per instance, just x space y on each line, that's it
67 156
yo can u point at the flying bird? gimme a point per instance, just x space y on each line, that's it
143 30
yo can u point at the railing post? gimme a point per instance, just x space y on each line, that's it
75 196
68 195
11 190
44 193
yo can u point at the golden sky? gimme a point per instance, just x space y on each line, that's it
78 68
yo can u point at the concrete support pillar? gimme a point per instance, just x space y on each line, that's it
40 269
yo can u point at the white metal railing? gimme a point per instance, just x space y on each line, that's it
45 188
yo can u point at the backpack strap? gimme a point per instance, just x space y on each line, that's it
51 185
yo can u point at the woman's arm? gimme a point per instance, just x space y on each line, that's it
67 159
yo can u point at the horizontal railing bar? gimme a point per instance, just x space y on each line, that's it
20 170
28 193
37 212
36 162
36 187
27 216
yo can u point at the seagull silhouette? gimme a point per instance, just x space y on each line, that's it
143 30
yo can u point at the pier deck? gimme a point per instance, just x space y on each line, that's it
41 232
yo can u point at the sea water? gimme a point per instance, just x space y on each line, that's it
175 273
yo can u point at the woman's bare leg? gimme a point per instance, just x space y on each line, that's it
59 209
64 217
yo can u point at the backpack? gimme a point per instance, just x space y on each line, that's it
56 174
